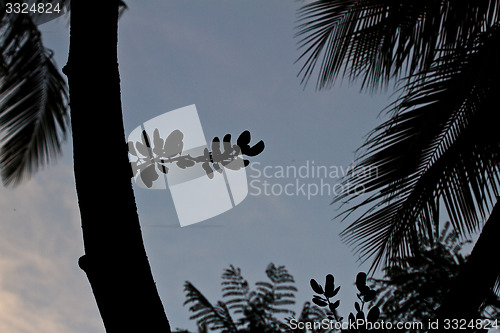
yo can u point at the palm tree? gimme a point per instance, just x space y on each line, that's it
34 111
440 145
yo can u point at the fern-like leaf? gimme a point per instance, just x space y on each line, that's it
234 289
279 292
215 317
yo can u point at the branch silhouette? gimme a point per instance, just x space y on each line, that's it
155 156
365 295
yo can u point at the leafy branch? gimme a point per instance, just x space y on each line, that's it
365 295
160 154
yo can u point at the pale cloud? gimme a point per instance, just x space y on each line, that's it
41 287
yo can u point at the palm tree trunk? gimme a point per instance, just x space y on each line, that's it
115 260
477 276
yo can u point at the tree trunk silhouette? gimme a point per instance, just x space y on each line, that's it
477 275
115 260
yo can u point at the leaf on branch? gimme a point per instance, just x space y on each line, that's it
319 301
373 314
149 175
329 286
316 287
208 170
173 144
333 306
157 143
131 148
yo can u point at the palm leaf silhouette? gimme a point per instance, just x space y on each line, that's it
215 317
33 100
380 40
235 289
281 289
440 145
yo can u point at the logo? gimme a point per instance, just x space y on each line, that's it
171 151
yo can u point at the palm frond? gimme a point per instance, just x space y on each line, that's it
256 308
441 145
280 292
235 289
33 101
215 317
380 40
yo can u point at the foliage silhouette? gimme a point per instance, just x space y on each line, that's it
34 115
382 40
414 287
151 158
263 309
257 309
365 295
440 144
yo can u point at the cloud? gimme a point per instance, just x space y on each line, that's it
41 287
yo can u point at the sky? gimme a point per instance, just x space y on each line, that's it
235 61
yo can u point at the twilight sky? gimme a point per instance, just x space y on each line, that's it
235 61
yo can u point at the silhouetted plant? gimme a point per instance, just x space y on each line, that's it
414 286
365 295
441 145
156 156
256 309
259 310
34 117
